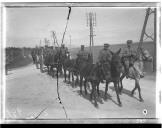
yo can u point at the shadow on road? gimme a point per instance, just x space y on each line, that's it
99 99
125 91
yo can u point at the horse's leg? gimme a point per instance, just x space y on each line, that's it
132 92
121 83
69 76
119 89
85 86
106 89
117 93
98 91
92 90
77 80
73 83
65 74
139 89
37 65
95 93
72 76
81 79
52 70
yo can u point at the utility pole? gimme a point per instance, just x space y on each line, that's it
149 11
45 41
91 23
154 60
54 38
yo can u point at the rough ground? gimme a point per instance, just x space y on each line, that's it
28 92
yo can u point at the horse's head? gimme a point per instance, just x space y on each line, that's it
146 55
116 63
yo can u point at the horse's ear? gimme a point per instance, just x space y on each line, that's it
118 52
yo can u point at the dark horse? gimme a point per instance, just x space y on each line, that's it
51 59
137 65
84 68
69 65
94 73
111 73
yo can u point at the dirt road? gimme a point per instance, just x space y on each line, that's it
32 95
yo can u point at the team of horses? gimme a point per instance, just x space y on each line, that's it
88 73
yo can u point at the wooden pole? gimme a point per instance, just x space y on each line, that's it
154 58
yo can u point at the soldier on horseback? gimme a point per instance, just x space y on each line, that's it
41 59
129 53
82 54
105 54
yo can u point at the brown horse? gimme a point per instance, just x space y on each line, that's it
109 71
135 69
69 65
84 68
112 71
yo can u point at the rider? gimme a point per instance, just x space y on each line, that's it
129 52
82 54
105 54
104 57
41 59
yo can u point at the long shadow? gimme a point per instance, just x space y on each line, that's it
99 99
125 91
108 97
87 97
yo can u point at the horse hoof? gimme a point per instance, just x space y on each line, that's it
120 104
131 94
141 100
80 93
105 97
96 105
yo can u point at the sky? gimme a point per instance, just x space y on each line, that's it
25 27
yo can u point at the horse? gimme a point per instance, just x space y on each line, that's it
70 66
94 77
33 55
84 68
134 69
111 73
37 61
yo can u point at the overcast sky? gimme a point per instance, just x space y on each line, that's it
27 26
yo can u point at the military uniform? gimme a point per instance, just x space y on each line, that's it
82 54
41 59
138 66
64 50
105 54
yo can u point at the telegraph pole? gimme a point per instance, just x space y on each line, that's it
54 38
91 23
154 61
149 11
